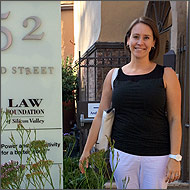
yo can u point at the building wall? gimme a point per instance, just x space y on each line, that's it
87 23
67 31
174 29
107 21
67 49
116 17
103 21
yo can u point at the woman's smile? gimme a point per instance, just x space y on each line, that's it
138 48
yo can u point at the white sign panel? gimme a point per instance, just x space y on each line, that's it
93 109
31 62
52 137
31 84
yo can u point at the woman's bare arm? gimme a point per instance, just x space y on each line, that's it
173 91
105 103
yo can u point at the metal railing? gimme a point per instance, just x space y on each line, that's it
93 70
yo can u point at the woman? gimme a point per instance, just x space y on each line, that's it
147 124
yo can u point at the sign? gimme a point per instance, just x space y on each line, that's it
31 67
31 82
52 137
93 109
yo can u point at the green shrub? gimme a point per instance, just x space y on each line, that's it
69 79
95 176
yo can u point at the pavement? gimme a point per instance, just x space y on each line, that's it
178 185
173 185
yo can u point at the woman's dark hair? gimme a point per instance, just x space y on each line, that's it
148 21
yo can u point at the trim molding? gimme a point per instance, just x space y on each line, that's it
66 7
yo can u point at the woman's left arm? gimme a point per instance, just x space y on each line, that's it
173 92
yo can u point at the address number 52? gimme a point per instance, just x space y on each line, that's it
28 36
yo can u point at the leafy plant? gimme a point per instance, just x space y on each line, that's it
69 142
72 177
10 174
114 167
97 173
5 119
36 171
125 182
69 79
95 176
39 165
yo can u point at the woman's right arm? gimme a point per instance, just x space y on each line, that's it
105 103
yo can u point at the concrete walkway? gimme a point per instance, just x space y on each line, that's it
173 185
178 185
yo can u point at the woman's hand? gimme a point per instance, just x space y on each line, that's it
173 170
83 159
105 103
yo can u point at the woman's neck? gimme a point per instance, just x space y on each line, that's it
138 66
142 63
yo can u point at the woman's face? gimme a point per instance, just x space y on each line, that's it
141 41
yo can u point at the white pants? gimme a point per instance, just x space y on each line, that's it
144 172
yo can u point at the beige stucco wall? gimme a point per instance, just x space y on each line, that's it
107 21
178 22
179 12
116 17
104 21
87 23
174 29
67 33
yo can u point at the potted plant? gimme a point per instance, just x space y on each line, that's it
69 91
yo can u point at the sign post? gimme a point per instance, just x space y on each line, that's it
31 76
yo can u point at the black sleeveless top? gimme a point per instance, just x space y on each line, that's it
141 126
